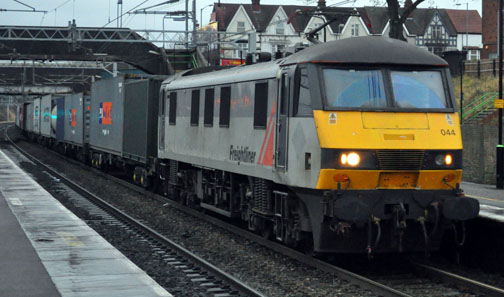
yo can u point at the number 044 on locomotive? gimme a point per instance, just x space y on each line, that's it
347 146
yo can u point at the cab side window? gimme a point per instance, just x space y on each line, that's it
209 108
260 105
302 101
225 107
195 106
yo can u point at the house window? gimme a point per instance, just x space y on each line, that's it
436 32
195 104
240 27
260 105
355 29
225 106
173 108
209 108
280 27
473 55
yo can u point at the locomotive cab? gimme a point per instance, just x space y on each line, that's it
390 147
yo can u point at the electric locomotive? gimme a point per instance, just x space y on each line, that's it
348 146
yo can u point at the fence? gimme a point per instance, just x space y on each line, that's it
481 67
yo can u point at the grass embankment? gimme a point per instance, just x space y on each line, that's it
474 88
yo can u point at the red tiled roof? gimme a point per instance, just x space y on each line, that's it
458 18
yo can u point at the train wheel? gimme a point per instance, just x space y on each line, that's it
266 230
307 247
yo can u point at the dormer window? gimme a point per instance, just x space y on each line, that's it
355 29
240 26
280 27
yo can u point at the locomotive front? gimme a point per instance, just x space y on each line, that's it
390 147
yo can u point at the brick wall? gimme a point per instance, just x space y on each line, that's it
480 143
489 26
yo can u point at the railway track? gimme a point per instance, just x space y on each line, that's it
202 273
417 279
418 282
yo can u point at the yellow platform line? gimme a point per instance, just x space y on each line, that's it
484 198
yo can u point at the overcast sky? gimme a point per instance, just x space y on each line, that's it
97 13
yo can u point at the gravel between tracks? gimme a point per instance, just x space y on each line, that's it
267 271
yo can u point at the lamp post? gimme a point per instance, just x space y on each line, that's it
201 14
467 25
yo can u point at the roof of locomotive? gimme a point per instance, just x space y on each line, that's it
359 50
254 72
366 50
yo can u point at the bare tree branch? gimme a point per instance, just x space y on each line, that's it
409 10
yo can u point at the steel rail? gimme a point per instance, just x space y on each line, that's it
457 280
361 281
234 282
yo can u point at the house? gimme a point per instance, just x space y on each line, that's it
280 26
437 30
468 25
277 27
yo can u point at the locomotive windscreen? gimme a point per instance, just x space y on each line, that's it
418 89
384 88
354 88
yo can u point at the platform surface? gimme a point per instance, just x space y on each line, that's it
48 251
490 198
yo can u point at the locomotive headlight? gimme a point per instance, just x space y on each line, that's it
344 159
448 159
444 160
353 159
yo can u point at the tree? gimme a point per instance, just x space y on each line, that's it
397 19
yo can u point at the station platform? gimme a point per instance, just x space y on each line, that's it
490 198
47 251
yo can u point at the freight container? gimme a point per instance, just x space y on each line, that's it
106 133
124 117
22 116
36 116
140 115
58 122
75 110
28 117
45 121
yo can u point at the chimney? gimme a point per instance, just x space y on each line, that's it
321 3
256 5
